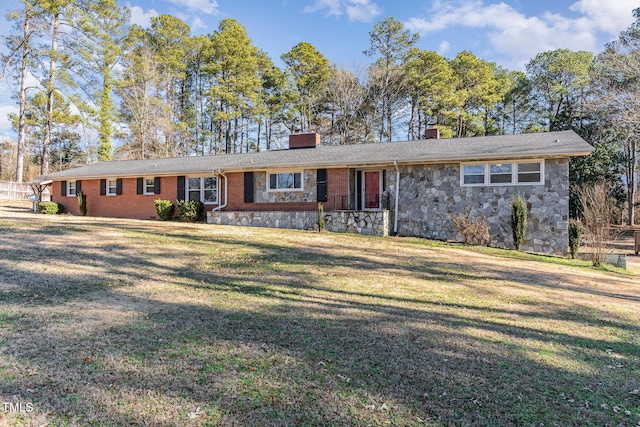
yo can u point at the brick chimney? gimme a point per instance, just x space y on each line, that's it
431 133
304 140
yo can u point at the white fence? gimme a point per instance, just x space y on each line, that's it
16 191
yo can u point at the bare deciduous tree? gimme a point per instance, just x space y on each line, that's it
596 211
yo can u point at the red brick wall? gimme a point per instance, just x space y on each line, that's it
236 199
304 140
132 205
337 185
127 205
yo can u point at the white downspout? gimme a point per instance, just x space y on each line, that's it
395 215
226 193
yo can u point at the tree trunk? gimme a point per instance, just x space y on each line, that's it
632 150
23 96
44 168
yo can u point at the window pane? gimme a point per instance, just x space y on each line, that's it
501 179
285 180
149 185
500 168
194 195
210 183
72 188
529 177
273 181
474 179
529 167
210 196
297 180
112 187
474 170
194 183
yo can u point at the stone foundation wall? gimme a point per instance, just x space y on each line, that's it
430 195
372 223
301 220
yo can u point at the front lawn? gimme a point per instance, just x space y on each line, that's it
123 322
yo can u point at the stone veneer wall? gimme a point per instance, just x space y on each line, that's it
373 223
262 195
430 195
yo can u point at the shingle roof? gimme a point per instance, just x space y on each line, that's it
505 147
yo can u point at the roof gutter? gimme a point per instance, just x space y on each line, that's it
226 193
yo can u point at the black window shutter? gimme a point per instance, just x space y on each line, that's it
103 187
181 188
78 186
140 186
156 185
119 186
63 188
248 187
321 183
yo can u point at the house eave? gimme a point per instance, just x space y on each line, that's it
327 164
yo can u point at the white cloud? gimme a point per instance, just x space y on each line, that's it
356 10
209 7
362 10
521 37
443 47
333 7
198 24
610 17
140 17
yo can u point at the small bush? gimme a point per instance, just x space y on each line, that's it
51 208
165 209
190 211
575 235
474 229
518 220
82 203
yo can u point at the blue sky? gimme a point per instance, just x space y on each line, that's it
510 32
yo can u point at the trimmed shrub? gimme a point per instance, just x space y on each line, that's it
190 211
82 203
51 208
165 209
474 229
518 220
575 235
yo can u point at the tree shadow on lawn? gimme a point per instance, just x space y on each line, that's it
421 363
272 348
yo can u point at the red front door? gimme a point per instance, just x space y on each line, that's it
371 190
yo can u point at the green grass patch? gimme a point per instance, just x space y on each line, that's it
142 322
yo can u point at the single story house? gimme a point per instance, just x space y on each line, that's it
411 188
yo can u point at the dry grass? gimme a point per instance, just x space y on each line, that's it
121 322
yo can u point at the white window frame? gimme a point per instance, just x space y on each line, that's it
280 190
115 187
202 189
145 187
71 185
514 173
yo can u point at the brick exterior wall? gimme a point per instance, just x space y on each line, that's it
127 205
338 186
141 206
